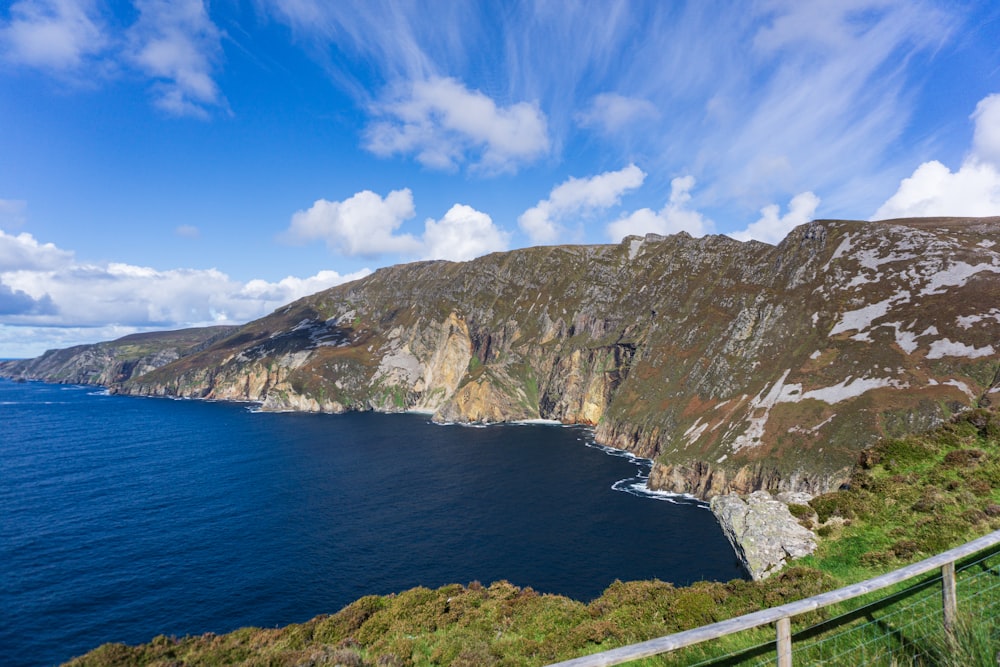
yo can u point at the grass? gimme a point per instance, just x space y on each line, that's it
474 365
905 627
908 498
972 644
913 497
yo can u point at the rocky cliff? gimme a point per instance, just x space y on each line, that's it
736 366
113 361
763 531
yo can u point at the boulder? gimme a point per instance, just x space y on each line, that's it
763 532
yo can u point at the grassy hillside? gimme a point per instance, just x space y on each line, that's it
908 498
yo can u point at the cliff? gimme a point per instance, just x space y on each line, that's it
736 366
762 530
113 361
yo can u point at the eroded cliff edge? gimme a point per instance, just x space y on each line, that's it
736 366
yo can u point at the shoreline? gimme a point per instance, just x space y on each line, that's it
636 486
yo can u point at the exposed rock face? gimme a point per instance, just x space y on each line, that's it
705 480
736 366
763 532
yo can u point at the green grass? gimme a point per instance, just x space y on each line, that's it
909 498
474 365
913 497
973 644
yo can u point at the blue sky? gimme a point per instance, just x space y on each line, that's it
175 163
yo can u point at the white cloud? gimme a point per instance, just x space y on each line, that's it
367 225
129 295
364 224
187 231
934 190
57 35
611 112
772 227
444 124
986 139
857 57
43 288
177 44
582 196
291 288
396 37
462 234
23 252
173 42
973 190
826 25
675 216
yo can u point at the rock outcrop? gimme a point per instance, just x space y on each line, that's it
736 366
763 531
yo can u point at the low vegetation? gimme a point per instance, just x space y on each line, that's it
912 497
907 498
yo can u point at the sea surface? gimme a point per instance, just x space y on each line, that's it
124 518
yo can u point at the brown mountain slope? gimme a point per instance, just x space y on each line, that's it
735 365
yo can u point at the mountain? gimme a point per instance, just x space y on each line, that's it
113 361
736 366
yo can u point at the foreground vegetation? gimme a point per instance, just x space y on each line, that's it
907 499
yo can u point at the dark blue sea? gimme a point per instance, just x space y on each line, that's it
124 518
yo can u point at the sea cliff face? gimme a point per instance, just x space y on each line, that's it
736 366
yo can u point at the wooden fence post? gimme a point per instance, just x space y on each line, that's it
781 616
949 596
784 626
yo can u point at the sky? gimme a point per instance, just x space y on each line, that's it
175 163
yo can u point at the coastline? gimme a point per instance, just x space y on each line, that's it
456 464
743 543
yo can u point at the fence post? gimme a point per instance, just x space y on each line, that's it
949 596
784 626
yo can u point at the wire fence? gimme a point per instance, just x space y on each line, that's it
904 628
896 620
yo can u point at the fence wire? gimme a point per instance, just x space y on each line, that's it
905 628
901 628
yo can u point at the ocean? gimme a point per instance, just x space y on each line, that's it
123 518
